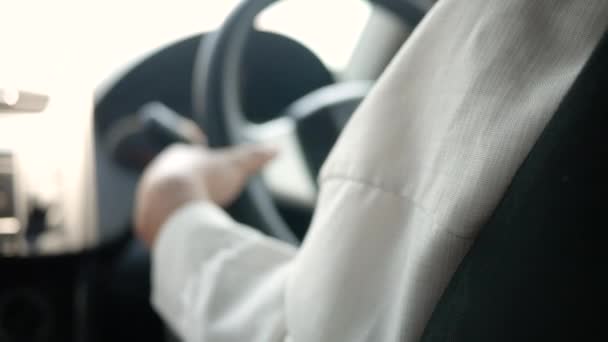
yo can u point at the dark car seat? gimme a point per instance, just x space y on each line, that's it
535 272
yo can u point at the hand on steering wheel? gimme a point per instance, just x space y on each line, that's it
183 174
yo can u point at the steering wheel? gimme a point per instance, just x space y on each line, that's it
304 132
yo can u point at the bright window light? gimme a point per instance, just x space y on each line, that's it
94 38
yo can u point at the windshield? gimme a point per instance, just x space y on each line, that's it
97 37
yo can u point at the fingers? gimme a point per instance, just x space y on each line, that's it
193 132
251 158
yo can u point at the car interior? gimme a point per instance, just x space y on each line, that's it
71 269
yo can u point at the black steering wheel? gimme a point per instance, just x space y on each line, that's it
305 132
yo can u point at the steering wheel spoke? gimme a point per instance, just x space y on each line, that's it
288 176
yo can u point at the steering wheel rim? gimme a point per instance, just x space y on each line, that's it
218 108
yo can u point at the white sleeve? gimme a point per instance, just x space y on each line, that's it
217 280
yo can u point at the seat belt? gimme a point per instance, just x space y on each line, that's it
535 271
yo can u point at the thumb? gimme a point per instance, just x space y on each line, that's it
251 158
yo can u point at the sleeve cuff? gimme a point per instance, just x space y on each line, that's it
200 241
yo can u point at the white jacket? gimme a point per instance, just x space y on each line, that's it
417 171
